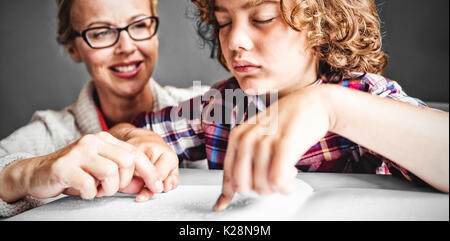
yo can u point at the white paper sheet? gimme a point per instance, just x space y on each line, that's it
186 202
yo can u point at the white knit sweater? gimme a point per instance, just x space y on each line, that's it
49 131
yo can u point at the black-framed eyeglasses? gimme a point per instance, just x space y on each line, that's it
107 36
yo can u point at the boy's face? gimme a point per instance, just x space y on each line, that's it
263 52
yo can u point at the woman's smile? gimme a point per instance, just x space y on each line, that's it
127 70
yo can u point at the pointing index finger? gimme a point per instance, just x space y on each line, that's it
227 185
225 198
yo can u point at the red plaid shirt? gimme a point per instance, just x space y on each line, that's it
195 138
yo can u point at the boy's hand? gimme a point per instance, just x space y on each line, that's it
158 152
262 156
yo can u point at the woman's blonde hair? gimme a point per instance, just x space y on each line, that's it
344 34
65 31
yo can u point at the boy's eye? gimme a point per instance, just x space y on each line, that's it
263 21
223 25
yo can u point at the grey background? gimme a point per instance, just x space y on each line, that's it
36 73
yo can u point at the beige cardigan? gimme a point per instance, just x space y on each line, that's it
49 131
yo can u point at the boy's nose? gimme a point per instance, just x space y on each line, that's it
240 38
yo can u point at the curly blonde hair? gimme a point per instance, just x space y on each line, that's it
344 34
65 31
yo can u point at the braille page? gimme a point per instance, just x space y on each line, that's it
186 202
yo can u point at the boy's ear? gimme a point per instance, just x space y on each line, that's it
73 51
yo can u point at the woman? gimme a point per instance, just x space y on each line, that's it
69 151
320 56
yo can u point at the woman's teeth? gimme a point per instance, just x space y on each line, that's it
126 68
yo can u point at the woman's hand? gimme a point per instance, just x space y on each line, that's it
262 152
159 153
96 165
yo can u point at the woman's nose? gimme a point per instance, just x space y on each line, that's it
240 38
125 44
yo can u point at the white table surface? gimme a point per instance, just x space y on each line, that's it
335 197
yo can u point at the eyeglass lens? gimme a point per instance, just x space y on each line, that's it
106 36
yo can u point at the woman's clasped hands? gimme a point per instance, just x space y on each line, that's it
100 165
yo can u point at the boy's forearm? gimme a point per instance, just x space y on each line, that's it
416 138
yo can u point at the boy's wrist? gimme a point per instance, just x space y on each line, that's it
341 104
327 96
